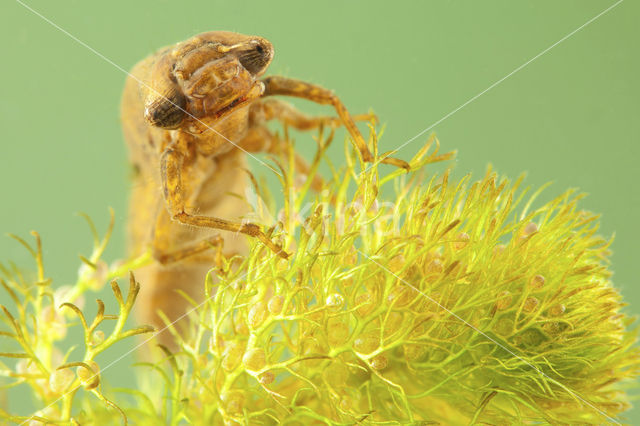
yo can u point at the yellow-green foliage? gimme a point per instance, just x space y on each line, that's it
37 323
455 303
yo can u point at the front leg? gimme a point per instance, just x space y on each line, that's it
276 85
174 194
164 248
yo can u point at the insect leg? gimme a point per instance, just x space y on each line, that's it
260 139
270 109
163 244
167 257
172 164
276 85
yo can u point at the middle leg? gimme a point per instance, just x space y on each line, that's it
172 164
275 109
260 139
276 85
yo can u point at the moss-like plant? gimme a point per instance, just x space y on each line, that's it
454 303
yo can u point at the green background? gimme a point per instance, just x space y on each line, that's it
571 116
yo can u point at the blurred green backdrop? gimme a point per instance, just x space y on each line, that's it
570 116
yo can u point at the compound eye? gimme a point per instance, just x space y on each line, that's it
167 112
257 57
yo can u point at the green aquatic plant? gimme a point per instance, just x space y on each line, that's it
454 302
37 324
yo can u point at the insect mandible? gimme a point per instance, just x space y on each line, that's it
190 112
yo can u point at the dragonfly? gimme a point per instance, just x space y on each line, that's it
191 113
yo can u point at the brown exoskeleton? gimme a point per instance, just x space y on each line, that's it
190 112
